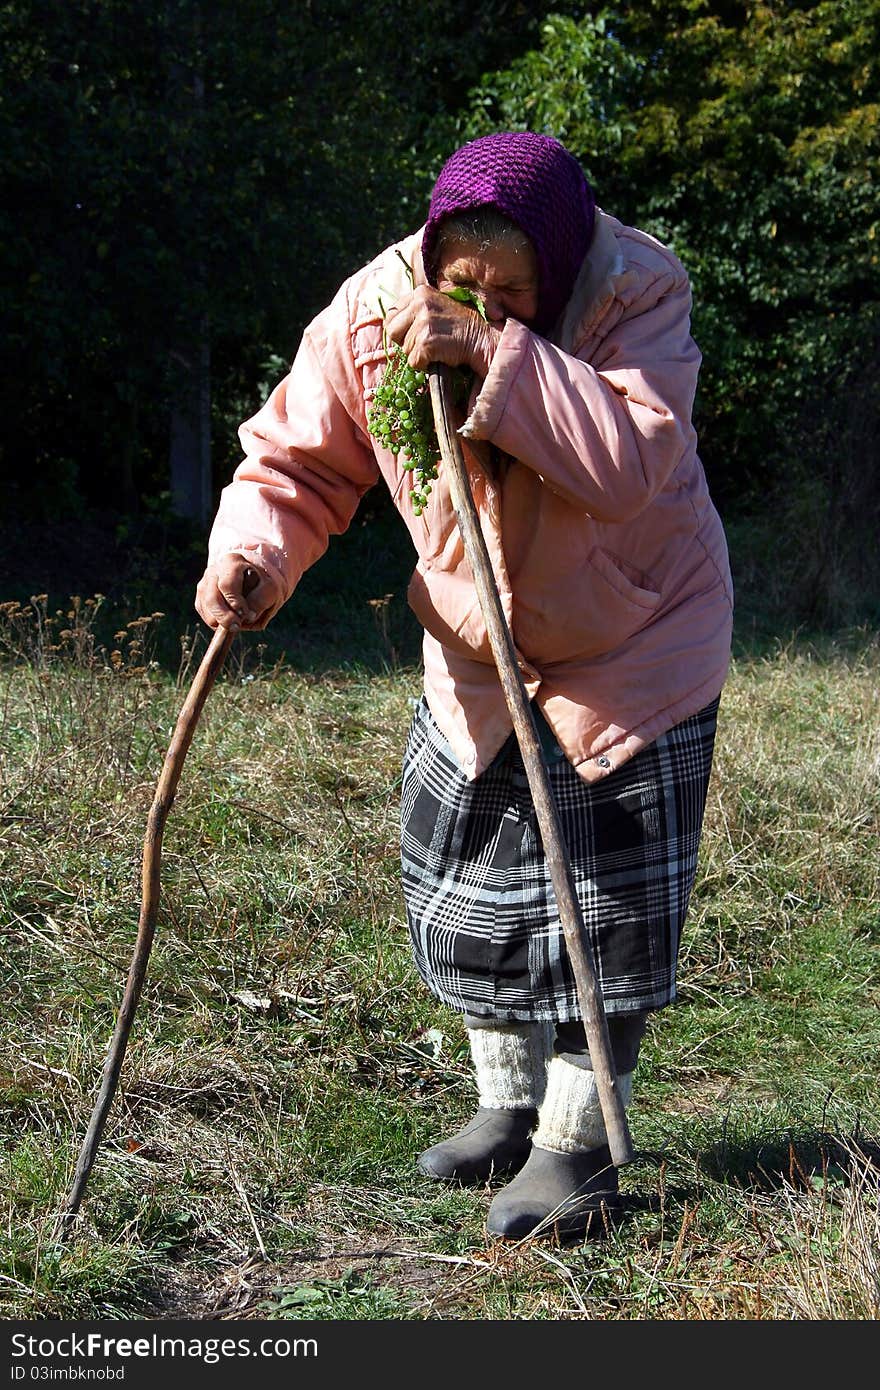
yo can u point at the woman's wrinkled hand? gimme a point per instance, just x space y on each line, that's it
234 592
431 327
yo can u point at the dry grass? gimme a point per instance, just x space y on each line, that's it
285 1064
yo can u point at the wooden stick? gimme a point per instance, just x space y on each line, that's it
151 863
559 863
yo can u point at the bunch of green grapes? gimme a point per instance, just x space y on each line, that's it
402 420
401 416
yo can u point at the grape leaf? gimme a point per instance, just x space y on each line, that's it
466 296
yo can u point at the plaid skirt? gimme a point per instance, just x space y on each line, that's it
479 902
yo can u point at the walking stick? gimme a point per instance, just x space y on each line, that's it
501 641
152 855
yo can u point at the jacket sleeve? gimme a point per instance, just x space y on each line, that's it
607 433
307 463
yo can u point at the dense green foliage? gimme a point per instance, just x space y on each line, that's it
182 174
745 135
188 184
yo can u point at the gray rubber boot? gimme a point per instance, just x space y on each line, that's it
568 1187
493 1142
510 1062
568 1195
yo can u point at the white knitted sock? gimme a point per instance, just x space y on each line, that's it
570 1118
511 1064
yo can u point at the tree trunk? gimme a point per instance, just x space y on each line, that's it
189 447
190 435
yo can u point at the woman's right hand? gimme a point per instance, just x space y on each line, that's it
234 592
431 327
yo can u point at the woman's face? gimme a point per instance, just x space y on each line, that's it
505 278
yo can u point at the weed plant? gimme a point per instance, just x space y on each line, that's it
285 1064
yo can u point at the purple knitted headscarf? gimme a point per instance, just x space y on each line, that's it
535 182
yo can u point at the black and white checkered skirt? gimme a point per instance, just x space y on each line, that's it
479 901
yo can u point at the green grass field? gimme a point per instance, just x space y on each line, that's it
286 1065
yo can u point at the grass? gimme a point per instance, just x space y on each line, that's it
286 1065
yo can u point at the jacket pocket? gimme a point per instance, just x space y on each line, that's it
631 585
595 610
621 601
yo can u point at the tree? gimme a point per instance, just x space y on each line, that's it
744 134
184 186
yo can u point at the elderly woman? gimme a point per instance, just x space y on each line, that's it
612 567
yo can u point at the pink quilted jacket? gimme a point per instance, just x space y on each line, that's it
609 555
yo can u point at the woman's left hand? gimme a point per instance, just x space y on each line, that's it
431 327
